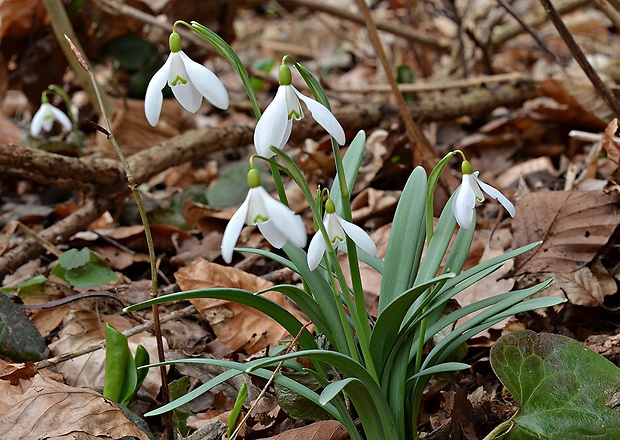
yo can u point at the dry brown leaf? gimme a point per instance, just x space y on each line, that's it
16 372
572 225
323 430
587 286
44 408
237 326
611 146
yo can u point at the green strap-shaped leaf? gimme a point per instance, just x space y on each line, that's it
406 241
351 163
260 303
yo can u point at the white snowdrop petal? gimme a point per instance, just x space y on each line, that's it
473 182
464 204
324 118
233 229
287 134
62 118
284 218
272 234
153 98
293 105
188 97
206 82
296 231
316 250
496 194
36 125
272 126
359 236
334 229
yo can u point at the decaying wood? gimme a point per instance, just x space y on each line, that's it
84 174
59 232
104 180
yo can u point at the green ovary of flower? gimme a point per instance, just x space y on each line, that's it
174 41
285 76
466 167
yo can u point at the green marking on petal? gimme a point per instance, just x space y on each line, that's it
294 114
337 240
259 219
178 80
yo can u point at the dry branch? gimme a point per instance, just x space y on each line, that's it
422 38
511 30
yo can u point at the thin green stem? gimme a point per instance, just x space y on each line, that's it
231 56
500 430
359 310
296 174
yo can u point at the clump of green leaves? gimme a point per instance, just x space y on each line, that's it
372 368
83 268
123 375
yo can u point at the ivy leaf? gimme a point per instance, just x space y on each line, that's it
564 390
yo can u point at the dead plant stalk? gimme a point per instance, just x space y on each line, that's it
147 232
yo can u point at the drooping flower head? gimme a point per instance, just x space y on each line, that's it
336 228
274 126
189 81
43 119
471 191
276 221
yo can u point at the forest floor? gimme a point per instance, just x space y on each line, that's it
508 93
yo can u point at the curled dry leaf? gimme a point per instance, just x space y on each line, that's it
323 430
610 145
572 225
43 408
237 326
587 286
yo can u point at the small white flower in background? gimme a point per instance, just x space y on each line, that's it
336 228
471 191
276 221
274 126
189 81
43 119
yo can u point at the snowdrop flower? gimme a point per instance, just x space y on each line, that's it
471 191
189 81
276 221
336 228
274 127
44 118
